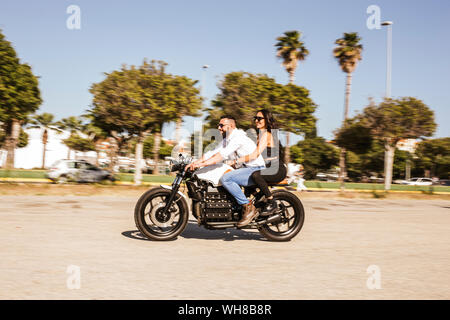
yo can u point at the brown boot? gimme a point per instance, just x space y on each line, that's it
249 213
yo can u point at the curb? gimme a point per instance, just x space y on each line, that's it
130 183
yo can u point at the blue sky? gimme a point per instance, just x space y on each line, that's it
234 36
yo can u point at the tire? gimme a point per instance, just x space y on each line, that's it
293 219
66 178
148 215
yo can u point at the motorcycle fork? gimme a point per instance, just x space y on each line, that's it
175 187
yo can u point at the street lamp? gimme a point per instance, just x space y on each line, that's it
388 57
198 125
387 181
203 79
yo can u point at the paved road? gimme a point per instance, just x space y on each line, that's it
406 243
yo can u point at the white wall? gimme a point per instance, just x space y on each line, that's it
31 156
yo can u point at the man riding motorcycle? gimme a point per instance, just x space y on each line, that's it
235 142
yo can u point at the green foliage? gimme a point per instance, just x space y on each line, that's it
387 123
294 110
371 162
72 124
22 142
78 143
242 94
165 149
44 120
186 96
23 139
354 136
291 50
19 92
394 120
433 155
139 99
348 51
19 97
353 165
316 155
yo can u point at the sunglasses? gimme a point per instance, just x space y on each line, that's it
221 125
258 118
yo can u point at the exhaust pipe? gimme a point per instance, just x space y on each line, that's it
271 219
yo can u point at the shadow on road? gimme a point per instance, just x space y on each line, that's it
194 231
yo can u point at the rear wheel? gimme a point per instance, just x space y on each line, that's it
292 214
151 220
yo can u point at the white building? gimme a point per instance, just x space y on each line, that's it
31 156
409 145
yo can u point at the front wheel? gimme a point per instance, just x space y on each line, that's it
151 220
292 214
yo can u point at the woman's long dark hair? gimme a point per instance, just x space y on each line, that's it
269 119
271 124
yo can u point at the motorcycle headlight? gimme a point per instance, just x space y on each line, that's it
174 165
171 166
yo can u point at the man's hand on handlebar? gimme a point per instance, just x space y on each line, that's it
192 166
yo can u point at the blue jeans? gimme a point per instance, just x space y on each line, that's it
232 181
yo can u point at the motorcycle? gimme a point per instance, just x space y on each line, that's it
162 213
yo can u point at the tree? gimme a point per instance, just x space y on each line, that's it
165 149
188 100
45 122
294 110
137 101
118 140
394 120
433 155
22 141
370 162
19 96
348 53
315 155
78 143
291 50
94 134
242 94
73 125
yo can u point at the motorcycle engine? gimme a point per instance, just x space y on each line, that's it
218 205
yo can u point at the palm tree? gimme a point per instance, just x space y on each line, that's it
72 124
95 134
291 50
45 122
348 53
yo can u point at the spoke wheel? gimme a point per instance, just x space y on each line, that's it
292 214
153 222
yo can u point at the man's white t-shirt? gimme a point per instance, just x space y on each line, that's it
238 144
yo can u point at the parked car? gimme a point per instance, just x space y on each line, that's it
327 176
375 179
443 182
419 182
78 171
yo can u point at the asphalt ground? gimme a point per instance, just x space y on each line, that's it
87 247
